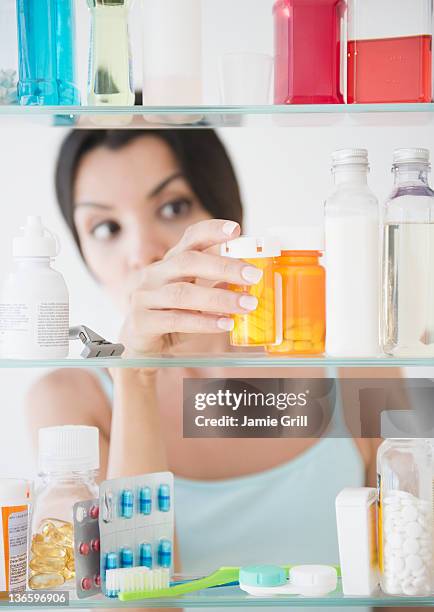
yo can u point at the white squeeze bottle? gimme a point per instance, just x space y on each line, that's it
34 302
352 259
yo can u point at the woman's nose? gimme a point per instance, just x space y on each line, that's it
143 250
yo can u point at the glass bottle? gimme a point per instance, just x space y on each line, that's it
303 291
309 51
405 510
352 259
8 52
408 258
395 36
110 77
46 39
68 464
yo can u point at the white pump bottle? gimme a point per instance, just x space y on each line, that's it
34 302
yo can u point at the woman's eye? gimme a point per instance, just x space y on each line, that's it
177 208
105 230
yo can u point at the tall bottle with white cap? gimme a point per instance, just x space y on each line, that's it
34 302
352 259
68 466
408 258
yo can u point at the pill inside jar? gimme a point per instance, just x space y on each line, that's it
52 555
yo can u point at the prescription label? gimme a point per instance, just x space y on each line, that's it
13 540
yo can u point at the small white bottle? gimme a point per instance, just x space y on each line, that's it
352 259
172 47
34 302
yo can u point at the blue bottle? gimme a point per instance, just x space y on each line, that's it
46 53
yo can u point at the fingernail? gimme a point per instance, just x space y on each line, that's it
251 274
229 227
225 324
248 302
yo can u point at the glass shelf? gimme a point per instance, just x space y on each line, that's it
228 360
222 116
233 597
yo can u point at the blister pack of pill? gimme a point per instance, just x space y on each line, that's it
136 523
87 548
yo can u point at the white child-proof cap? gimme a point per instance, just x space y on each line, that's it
250 247
68 448
36 240
347 157
411 156
298 238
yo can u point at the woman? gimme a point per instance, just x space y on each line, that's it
146 208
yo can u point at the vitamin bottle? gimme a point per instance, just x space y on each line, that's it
172 53
303 290
68 464
46 51
264 325
352 259
395 36
408 258
110 78
34 301
405 507
309 51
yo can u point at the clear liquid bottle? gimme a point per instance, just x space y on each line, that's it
68 465
46 43
408 259
110 77
405 506
309 51
352 235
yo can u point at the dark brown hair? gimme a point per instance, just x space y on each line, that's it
200 153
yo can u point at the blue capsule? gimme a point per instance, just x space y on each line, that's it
127 504
145 500
165 553
127 557
164 498
145 555
111 562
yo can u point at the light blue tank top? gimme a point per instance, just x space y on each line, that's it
285 515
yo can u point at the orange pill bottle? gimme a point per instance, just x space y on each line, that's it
303 291
263 326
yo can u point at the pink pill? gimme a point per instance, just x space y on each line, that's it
94 512
84 549
95 546
97 580
86 584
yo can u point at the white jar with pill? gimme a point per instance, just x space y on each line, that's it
405 507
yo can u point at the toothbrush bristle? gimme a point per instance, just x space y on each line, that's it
136 579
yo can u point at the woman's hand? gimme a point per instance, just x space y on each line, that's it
183 294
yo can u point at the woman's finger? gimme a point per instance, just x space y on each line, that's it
188 296
204 235
194 264
157 323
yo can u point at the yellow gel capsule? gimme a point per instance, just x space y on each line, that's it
67 574
70 565
46 581
69 552
38 537
59 538
67 531
47 550
47 564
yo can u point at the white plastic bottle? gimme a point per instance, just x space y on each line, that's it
352 259
34 302
172 47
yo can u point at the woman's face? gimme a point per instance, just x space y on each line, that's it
131 206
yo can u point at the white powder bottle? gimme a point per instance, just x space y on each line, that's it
352 259
34 302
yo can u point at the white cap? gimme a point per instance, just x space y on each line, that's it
71 448
411 156
347 157
311 580
35 241
14 490
249 247
298 237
